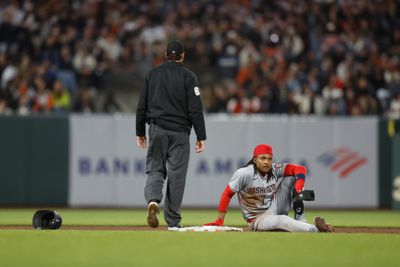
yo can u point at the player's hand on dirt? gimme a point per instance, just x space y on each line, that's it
217 222
200 145
141 141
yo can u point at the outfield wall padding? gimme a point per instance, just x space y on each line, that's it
395 166
34 166
385 164
108 169
105 168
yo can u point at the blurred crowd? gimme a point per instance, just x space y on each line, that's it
322 57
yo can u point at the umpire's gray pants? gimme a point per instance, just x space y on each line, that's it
167 155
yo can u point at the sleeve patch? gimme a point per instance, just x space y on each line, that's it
278 165
197 91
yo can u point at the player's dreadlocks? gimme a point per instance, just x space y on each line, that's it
251 161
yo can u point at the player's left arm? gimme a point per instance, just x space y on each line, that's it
299 172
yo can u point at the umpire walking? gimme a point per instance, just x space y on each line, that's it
170 103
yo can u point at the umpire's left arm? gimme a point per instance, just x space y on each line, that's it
195 107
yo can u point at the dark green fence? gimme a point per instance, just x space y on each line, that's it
34 160
389 163
395 168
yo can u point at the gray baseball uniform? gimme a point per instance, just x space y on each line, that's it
265 201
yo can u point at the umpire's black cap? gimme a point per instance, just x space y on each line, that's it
175 48
46 219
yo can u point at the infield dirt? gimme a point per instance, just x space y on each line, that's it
371 230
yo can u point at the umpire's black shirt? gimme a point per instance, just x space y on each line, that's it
170 98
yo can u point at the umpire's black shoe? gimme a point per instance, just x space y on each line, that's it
176 227
152 214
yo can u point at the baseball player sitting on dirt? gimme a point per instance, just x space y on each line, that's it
266 192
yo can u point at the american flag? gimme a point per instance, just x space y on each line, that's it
342 160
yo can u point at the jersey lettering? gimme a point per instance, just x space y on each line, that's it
261 190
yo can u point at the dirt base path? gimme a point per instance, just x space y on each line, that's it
371 230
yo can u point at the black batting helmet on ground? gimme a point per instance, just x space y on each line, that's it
46 219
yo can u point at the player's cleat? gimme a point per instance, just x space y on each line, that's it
322 225
152 214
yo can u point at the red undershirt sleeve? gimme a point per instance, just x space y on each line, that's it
299 172
225 199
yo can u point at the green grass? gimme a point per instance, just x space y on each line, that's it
128 217
155 248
